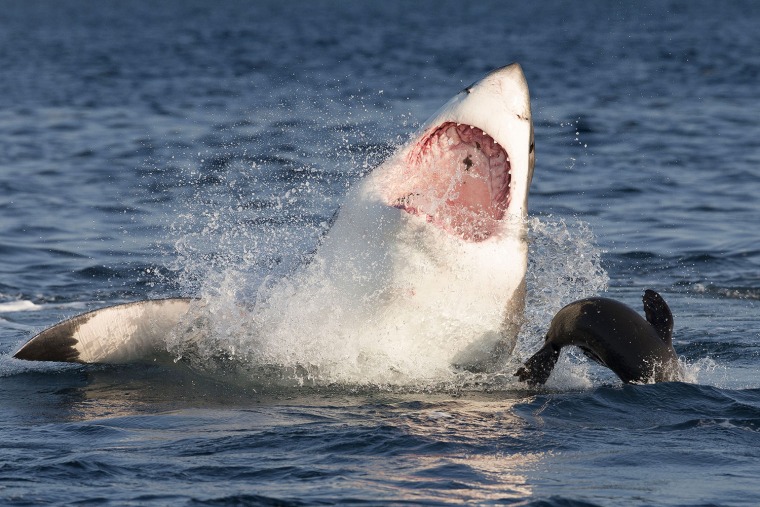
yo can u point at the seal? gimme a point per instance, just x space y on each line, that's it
615 336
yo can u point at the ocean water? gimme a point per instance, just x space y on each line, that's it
156 149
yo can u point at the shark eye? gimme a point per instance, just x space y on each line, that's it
532 147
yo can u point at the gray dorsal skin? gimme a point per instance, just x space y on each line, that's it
615 336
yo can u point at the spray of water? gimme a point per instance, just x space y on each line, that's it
308 324
275 311
564 264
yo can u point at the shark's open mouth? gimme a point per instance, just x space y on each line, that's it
458 179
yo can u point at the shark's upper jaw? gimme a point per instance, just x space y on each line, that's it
470 168
461 177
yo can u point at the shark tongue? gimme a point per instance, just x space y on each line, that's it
458 178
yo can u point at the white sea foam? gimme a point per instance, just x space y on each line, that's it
21 305
10 366
707 371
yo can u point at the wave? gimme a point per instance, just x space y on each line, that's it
19 306
664 407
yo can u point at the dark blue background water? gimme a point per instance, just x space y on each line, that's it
138 140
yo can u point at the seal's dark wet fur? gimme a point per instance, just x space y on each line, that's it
614 335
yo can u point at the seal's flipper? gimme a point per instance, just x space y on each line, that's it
537 369
659 315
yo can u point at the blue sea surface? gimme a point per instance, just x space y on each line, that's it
148 148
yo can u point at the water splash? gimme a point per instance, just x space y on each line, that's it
302 328
564 264
706 371
274 312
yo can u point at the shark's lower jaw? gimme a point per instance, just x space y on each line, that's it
458 179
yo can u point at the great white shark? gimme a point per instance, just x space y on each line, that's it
436 233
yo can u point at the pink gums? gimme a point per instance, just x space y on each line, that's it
458 179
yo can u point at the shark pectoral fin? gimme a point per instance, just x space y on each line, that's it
124 333
537 369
